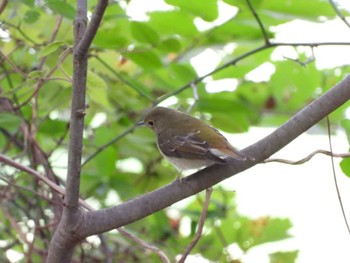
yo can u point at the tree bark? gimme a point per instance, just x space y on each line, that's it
65 238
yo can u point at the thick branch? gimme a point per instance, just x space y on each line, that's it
140 207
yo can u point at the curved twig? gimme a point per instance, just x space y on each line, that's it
307 158
144 244
200 226
335 177
124 79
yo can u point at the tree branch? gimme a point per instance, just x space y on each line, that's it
142 206
64 239
39 176
86 39
200 226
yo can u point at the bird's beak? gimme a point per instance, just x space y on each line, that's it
141 123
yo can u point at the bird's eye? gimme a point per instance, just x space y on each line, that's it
150 123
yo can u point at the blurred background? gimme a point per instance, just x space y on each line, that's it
212 59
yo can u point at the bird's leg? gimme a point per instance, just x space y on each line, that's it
178 177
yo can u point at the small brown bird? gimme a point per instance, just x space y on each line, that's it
186 142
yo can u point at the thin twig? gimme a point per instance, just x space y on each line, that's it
106 145
200 226
195 97
21 32
123 79
39 176
262 28
15 68
307 158
61 58
57 78
59 141
38 85
243 56
52 39
55 30
15 225
27 189
335 177
144 244
301 63
336 9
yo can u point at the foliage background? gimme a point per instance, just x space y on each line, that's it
134 64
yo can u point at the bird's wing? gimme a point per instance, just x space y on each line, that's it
190 146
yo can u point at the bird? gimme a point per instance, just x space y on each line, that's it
187 142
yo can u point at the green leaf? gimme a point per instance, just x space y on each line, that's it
97 89
346 125
124 184
31 16
35 74
159 225
29 3
242 3
146 59
237 122
183 73
53 127
207 10
170 45
228 114
115 30
50 48
9 121
173 22
284 257
244 66
250 233
345 166
144 33
242 27
113 12
293 85
311 9
111 38
3 142
62 8
114 34
256 94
